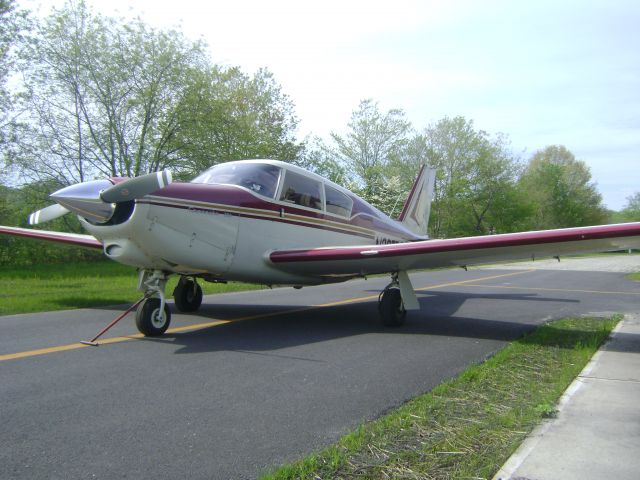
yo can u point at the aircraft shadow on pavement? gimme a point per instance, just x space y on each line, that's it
275 329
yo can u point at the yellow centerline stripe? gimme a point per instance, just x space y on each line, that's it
201 326
422 289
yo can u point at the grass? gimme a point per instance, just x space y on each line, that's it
468 426
634 276
67 286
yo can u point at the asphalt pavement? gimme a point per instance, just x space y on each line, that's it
257 378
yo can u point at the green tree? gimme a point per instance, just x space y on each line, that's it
363 156
318 158
631 211
225 115
13 22
100 95
561 190
15 206
387 194
475 190
491 198
373 139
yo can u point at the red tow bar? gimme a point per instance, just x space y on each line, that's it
93 342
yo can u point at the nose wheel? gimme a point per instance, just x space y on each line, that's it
153 315
152 319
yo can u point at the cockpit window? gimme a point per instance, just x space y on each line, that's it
301 190
337 202
258 177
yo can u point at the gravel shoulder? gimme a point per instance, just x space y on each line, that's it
623 263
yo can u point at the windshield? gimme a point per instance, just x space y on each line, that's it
258 177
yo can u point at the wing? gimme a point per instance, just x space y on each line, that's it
61 237
368 259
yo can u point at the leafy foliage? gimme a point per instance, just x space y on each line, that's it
105 97
481 186
361 159
99 96
631 211
475 191
317 157
372 141
225 115
15 207
560 188
13 23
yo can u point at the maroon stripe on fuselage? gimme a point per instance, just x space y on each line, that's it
458 244
258 217
363 215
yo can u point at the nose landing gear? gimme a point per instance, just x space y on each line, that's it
152 319
153 315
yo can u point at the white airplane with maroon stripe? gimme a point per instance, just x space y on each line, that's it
270 222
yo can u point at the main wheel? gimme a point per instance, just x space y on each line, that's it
150 320
187 295
391 309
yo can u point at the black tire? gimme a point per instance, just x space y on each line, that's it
187 295
391 310
147 319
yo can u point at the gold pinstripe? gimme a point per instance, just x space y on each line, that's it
267 214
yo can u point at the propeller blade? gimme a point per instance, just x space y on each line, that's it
48 213
136 187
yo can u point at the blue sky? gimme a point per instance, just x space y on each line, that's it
542 72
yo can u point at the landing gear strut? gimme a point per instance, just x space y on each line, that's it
187 295
390 305
153 316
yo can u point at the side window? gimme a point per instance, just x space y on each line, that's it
337 202
301 190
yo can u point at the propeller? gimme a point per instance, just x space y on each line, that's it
46 214
136 187
97 200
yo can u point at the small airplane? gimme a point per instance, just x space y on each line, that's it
271 222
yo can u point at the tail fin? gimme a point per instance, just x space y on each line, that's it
415 213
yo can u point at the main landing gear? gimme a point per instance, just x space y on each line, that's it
187 295
396 299
153 315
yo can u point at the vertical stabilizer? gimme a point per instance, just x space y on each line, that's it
415 213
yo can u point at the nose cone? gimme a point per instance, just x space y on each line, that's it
84 200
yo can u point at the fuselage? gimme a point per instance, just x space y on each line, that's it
224 224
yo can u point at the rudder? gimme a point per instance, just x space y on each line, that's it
416 210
